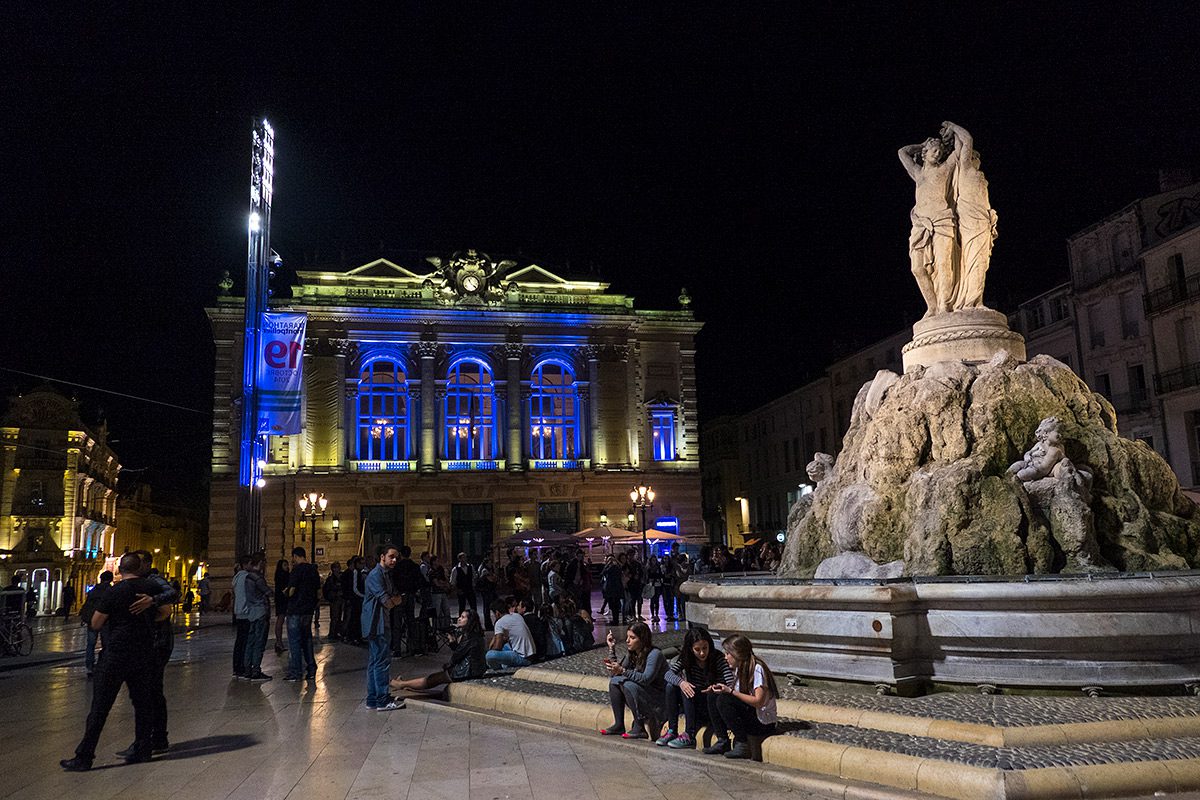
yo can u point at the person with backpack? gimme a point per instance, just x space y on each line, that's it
462 578
90 601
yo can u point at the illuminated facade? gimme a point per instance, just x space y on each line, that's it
58 498
464 395
161 525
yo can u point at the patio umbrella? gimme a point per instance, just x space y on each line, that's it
439 544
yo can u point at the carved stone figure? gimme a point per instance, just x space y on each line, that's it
953 224
1047 451
1061 492
933 242
976 218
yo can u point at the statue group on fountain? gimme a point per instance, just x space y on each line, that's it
953 223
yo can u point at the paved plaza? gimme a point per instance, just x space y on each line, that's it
316 740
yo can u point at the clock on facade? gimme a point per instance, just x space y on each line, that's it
470 283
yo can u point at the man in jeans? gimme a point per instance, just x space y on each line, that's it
379 598
241 625
258 616
94 596
303 585
512 645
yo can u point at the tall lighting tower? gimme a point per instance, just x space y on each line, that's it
252 451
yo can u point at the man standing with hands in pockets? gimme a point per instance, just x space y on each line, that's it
379 598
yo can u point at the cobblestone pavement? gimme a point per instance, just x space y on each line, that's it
1004 710
317 741
925 747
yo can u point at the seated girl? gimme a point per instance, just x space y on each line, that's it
467 661
636 681
697 667
745 708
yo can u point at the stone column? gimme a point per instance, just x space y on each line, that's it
343 349
597 452
515 455
427 350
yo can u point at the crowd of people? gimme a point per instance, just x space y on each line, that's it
528 609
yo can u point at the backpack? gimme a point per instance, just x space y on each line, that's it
91 601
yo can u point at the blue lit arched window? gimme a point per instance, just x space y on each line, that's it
469 412
662 432
553 413
383 412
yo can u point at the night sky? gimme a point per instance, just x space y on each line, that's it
746 153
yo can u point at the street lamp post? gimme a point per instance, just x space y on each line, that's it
643 498
312 507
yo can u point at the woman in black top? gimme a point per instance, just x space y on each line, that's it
283 574
467 660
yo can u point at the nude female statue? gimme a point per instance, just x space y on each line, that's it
933 243
976 218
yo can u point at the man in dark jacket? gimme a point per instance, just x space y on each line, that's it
304 583
94 596
128 660
462 578
162 595
407 578
331 590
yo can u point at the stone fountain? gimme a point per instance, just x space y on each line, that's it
984 522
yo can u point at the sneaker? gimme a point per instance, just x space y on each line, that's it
291 678
259 677
682 742
740 750
613 730
717 748
394 705
636 733
666 738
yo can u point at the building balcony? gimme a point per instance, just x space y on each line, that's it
474 465
559 463
43 461
383 466
1176 379
1132 403
1172 295
37 508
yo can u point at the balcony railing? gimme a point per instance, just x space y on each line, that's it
1172 294
559 463
383 466
1131 403
1176 379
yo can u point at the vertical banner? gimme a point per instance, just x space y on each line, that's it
280 373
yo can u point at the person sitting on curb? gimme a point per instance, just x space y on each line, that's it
747 708
512 643
636 681
697 667
469 659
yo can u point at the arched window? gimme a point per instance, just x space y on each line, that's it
662 432
553 413
383 412
469 412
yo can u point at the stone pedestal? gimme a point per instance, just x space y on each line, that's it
970 336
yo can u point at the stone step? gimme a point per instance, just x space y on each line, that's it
948 717
935 765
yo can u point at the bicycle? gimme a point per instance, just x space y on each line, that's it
16 637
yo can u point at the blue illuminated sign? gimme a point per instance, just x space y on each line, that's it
668 524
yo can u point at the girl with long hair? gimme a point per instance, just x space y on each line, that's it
697 667
467 661
745 708
636 681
